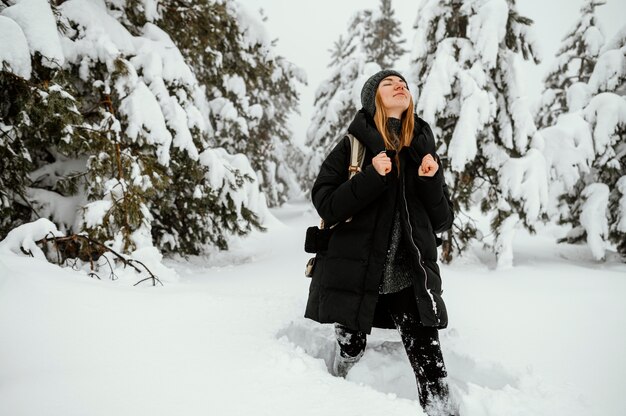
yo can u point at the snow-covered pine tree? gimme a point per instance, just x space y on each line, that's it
373 39
271 82
334 106
148 177
594 197
464 61
39 120
276 158
186 207
251 91
384 42
453 100
574 62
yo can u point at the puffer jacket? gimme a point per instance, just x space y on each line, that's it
346 279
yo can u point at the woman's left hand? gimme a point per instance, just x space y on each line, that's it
428 167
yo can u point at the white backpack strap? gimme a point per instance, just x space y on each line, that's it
356 155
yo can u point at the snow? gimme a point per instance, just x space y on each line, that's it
543 338
439 83
606 111
39 26
95 212
151 10
569 148
104 37
621 187
255 111
593 217
222 167
14 48
594 40
475 106
252 27
487 28
578 96
171 64
60 209
236 85
229 325
425 15
617 41
610 71
146 119
525 179
24 237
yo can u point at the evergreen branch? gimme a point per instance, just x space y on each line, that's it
152 276
26 202
27 252
75 237
112 276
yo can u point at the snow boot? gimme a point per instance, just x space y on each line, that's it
435 398
342 364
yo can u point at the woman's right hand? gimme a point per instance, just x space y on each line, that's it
382 163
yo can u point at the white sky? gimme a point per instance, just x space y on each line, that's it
306 30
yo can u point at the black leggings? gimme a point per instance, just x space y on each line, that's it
421 343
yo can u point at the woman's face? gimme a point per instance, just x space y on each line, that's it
395 95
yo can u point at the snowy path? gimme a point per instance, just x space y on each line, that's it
546 338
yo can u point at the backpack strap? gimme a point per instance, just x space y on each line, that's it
357 154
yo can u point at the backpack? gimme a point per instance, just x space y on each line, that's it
316 239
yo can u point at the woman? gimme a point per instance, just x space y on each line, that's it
380 268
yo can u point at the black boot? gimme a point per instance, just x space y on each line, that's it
435 398
343 364
348 349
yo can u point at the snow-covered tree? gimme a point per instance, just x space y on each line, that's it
464 59
335 104
38 116
135 154
452 98
586 150
574 62
372 42
384 41
251 91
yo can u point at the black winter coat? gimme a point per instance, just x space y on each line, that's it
345 283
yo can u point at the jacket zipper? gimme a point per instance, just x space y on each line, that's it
419 254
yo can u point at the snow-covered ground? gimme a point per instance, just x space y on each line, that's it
228 338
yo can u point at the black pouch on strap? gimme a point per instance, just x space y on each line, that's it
317 239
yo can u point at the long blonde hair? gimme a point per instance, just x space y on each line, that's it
406 132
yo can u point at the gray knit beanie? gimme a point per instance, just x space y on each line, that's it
368 93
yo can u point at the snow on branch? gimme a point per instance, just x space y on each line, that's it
39 26
14 53
524 179
23 238
607 112
593 217
41 239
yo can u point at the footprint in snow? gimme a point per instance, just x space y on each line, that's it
480 388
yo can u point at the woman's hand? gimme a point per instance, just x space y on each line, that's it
382 163
428 167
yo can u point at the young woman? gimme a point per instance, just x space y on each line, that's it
380 268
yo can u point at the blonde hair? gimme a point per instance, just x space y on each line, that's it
406 132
